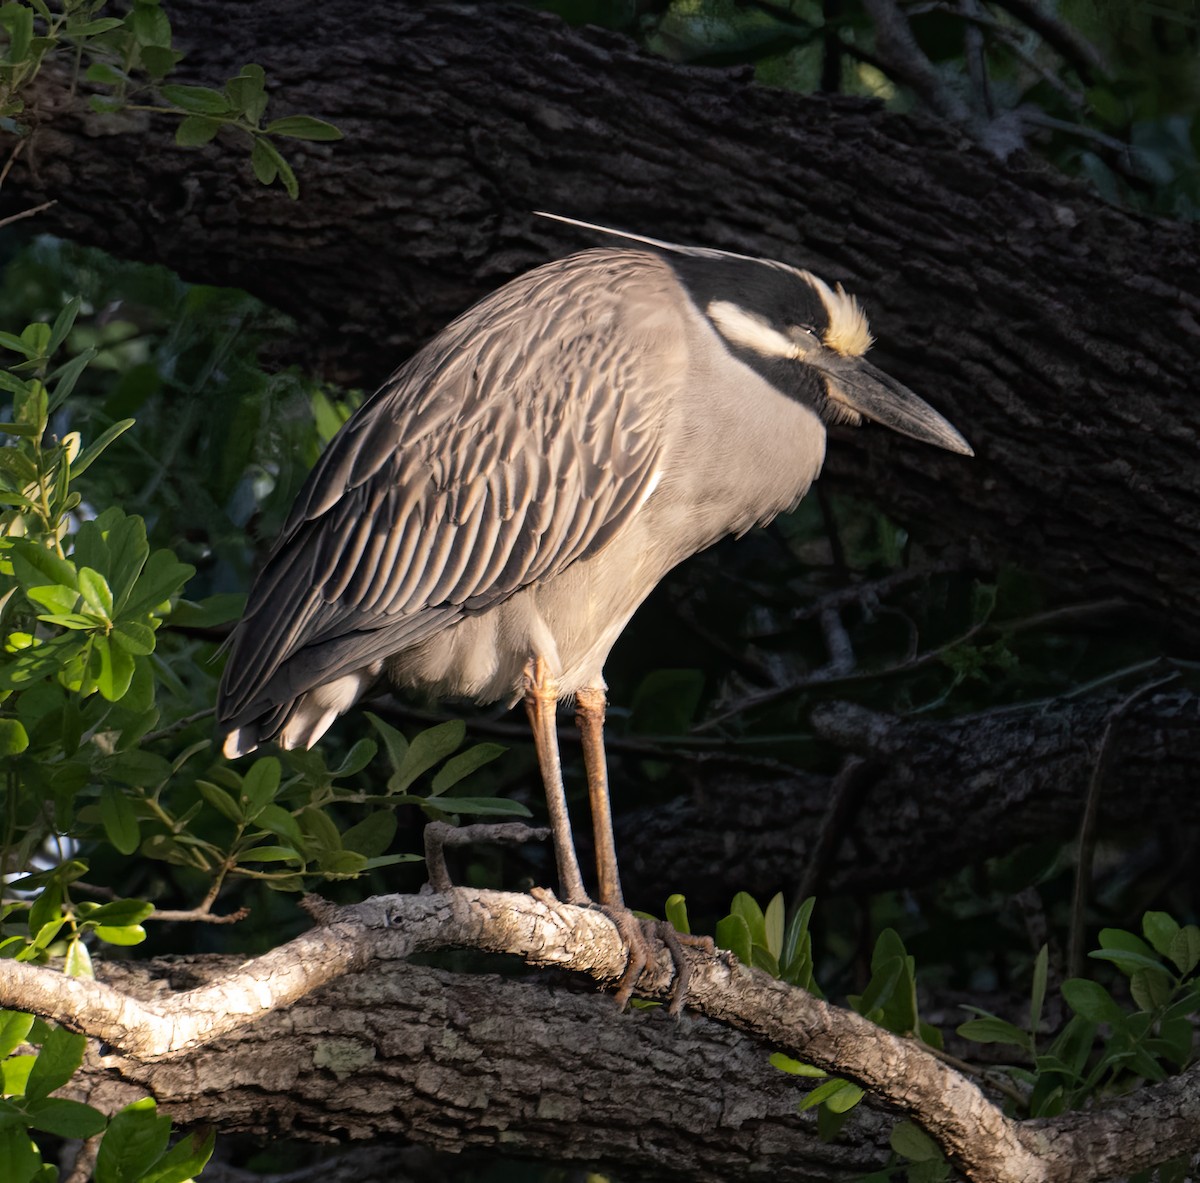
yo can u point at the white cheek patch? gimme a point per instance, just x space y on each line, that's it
750 331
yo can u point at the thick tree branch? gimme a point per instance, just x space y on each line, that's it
1058 332
970 788
988 1146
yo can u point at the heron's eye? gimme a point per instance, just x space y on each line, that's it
805 336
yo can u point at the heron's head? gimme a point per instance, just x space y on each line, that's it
807 339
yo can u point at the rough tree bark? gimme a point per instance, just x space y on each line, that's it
970 788
1058 332
175 1040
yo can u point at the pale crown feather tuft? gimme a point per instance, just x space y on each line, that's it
849 333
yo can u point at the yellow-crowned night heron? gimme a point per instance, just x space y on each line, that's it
486 524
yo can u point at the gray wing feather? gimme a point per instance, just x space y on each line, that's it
488 462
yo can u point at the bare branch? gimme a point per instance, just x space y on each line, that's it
906 61
990 1147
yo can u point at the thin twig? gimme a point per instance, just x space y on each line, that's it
1087 825
27 213
178 725
907 62
201 916
12 159
1082 54
845 795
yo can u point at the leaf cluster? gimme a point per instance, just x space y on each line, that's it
129 57
1106 1046
36 1060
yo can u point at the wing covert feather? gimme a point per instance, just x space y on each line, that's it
492 459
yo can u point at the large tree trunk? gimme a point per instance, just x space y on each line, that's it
1057 332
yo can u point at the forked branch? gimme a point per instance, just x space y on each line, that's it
988 1145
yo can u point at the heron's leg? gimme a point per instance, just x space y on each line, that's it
541 704
589 715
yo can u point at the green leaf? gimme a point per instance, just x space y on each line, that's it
733 933
1127 961
134 638
121 934
913 1142
259 786
77 962
263 161
67 1119
19 1158
277 820
677 916
303 127
121 912
13 737
162 577
427 749
270 854
474 806
19 22
840 1095
795 1067
96 592
342 862
1041 971
773 923
246 94
267 162
993 1030
186 1159
880 988
37 337
1160 930
15 1073
134 1142
212 610
357 758
796 929
746 906
32 562
119 820
150 26
63 324
59 1060
8 341
60 600
93 28
93 451
220 800
116 669
373 835
15 1026
106 74
1091 1001
1151 988
459 767
1184 950
194 131
47 908
393 740
159 61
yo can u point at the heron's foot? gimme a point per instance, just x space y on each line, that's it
676 942
638 949
641 938
439 835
